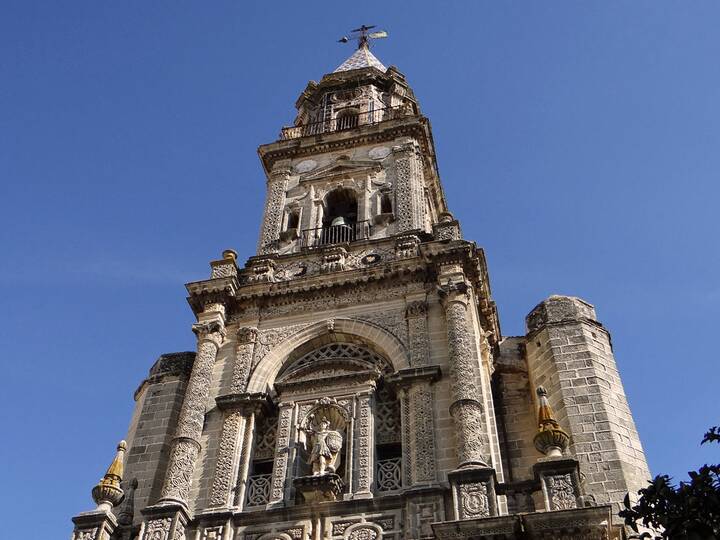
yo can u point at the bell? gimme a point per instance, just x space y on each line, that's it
339 221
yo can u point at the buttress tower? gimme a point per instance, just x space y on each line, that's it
351 381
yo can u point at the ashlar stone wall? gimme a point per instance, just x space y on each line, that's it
569 352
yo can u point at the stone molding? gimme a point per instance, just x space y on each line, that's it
164 522
474 493
94 525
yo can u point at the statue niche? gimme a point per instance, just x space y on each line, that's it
326 446
321 435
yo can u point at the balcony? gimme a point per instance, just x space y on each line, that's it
343 122
334 234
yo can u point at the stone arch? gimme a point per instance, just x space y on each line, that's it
370 333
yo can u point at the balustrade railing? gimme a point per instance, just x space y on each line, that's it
335 234
345 121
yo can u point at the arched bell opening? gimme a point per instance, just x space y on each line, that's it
340 212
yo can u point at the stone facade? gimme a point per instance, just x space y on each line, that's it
351 381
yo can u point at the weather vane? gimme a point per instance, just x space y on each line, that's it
363 36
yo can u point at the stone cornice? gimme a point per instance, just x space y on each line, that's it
409 126
215 290
408 376
245 401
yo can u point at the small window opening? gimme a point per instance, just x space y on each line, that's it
347 119
293 220
385 204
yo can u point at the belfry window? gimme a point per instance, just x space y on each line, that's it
340 217
347 119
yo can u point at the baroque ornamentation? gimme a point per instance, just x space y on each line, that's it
86 534
281 453
326 445
364 533
364 452
410 203
474 500
225 464
272 220
180 470
561 492
267 339
466 408
246 337
392 322
157 529
423 432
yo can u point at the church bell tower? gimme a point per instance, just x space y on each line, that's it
351 381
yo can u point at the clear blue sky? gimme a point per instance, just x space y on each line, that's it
578 142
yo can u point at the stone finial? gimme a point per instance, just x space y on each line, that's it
550 439
107 493
230 255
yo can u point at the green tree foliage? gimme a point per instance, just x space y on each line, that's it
690 511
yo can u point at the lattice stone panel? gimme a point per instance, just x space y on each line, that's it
265 438
258 490
334 351
387 418
389 474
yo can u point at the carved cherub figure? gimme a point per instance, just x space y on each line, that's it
326 445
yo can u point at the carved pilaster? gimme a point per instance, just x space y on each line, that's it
274 205
246 337
416 398
186 444
466 409
410 200
364 462
282 454
417 333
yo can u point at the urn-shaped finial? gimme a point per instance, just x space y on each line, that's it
107 493
550 439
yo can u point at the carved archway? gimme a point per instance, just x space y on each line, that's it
374 336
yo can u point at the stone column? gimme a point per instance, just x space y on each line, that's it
466 409
186 444
418 425
274 207
410 199
238 409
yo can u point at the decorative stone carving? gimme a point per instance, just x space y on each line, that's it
561 492
417 329
407 246
262 270
226 465
282 449
267 339
363 436
326 446
157 529
333 259
410 183
180 470
422 427
474 501
186 444
363 531
212 533
274 204
473 445
473 493
246 337
379 152
393 322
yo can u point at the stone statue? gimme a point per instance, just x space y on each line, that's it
326 445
